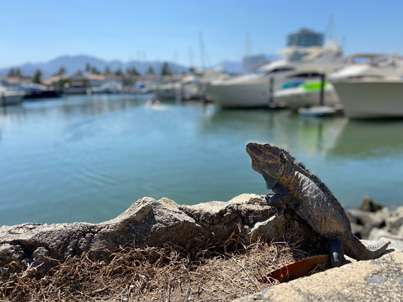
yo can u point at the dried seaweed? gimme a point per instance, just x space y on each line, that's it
220 271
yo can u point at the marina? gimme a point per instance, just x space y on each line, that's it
88 157
303 77
81 138
193 151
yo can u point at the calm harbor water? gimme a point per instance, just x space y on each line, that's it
88 158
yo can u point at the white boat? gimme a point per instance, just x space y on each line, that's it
317 111
257 90
307 94
166 90
10 96
368 66
371 89
358 66
189 87
381 98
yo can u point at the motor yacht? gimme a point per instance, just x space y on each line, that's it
371 90
9 96
258 89
358 66
307 94
377 98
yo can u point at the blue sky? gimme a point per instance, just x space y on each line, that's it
41 30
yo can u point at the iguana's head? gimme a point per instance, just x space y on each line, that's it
268 160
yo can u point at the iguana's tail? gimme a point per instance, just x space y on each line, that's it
364 250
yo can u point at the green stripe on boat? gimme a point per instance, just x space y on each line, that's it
313 86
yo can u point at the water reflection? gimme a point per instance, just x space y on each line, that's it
71 107
363 139
87 158
283 128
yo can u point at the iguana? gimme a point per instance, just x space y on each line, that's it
297 188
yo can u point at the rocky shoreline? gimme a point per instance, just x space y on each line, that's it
372 221
155 223
148 222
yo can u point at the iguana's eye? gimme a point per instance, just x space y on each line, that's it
283 158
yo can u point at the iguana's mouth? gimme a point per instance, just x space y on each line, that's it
254 149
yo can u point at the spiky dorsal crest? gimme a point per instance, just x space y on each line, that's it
302 169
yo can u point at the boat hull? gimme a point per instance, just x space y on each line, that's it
295 98
371 99
11 97
252 94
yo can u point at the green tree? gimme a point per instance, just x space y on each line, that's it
18 72
61 71
78 73
107 70
165 69
59 85
119 72
128 81
150 71
132 71
87 67
94 70
11 72
37 77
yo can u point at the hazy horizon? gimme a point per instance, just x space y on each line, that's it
180 31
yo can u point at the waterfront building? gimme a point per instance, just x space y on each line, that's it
305 38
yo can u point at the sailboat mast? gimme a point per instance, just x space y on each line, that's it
202 54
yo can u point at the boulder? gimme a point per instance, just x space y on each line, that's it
395 221
363 222
396 241
373 280
147 222
368 205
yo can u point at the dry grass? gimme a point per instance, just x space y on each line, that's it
214 273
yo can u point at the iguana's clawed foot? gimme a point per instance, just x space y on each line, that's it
335 259
336 252
277 200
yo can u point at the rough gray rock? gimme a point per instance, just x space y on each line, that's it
388 221
372 280
147 222
363 222
368 205
395 220
381 234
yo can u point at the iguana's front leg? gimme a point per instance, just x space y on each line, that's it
280 198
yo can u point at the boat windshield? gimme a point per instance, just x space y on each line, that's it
305 75
280 69
267 70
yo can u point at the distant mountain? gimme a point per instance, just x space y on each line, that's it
74 63
236 67
233 67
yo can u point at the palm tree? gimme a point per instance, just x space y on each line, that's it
165 69
37 77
